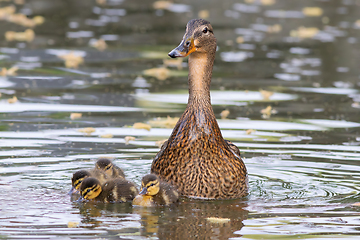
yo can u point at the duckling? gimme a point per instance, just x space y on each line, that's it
80 175
196 159
114 190
155 192
109 168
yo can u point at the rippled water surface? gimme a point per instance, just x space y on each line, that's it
77 75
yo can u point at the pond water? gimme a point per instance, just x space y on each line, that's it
78 74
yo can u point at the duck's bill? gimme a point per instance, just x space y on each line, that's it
81 199
143 191
72 191
183 50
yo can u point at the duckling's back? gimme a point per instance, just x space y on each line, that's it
166 195
118 190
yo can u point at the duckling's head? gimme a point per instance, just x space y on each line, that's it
77 179
90 188
150 185
199 37
105 165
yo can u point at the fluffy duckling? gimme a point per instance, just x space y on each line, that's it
109 168
79 176
114 190
155 192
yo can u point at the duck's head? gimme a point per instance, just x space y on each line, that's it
199 37
150 185
77 179
90 188
105 165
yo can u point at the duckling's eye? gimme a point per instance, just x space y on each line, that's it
108 167
205 30
151 185
88 190
187 43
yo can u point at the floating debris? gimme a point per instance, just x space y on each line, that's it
109 135
357 23
224 114
98 44
240 39
142 126
19 2
9 72
12 100
355 105
204 14
27 36
266 113
101 2
162 4
304 32
312 11
160 143
267 2
250 131
72 224
7 11
23 20
128 139
72 60
75 116
266 94
159 73
88 130
274 28
177 62
173 7
218 220
169 122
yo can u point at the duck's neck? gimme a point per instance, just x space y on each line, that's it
199 114
200 72
198 122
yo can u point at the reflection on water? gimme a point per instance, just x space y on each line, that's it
73 83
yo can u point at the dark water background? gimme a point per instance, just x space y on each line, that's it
303 160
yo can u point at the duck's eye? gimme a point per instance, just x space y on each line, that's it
88 190
151 185
205 30
187 43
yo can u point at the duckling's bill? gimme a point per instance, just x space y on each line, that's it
143 191
72 191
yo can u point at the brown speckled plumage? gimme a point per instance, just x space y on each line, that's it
196 159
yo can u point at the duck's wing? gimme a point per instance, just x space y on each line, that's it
233 148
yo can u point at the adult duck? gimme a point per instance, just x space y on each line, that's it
196 159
